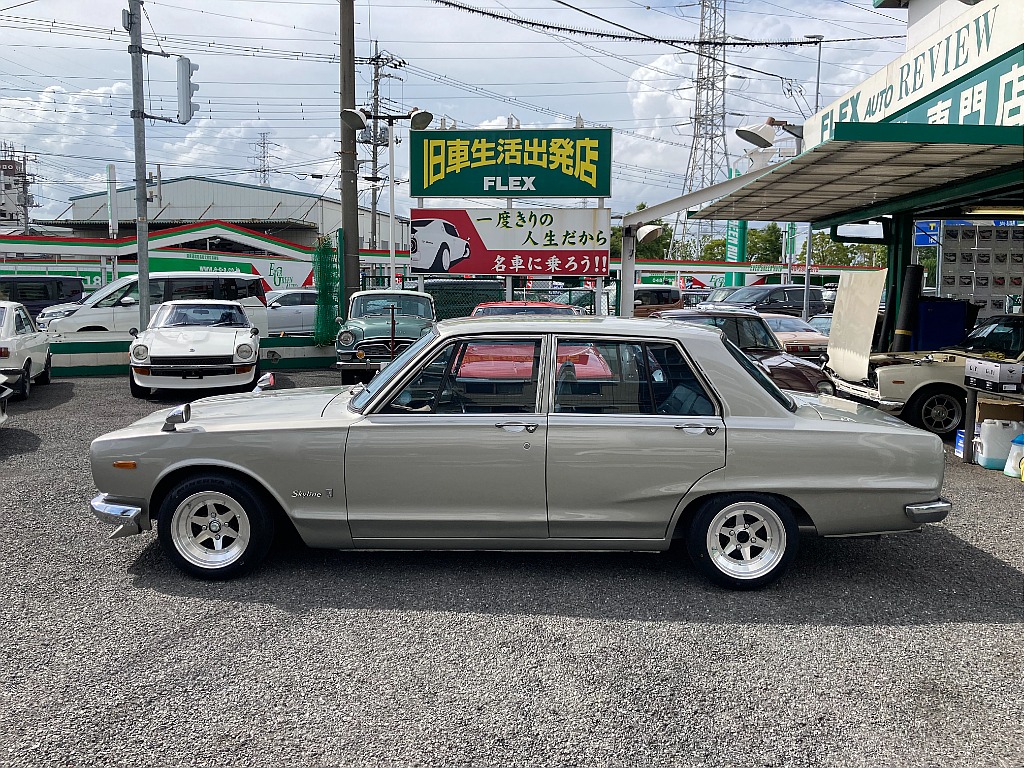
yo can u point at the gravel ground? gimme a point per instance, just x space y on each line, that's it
902 652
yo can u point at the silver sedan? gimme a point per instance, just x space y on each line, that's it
525 433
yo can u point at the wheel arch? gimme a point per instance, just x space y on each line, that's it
183 472
685 518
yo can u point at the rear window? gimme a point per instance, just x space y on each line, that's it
744 295
759 376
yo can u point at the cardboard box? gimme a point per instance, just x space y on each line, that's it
1000 410
993 375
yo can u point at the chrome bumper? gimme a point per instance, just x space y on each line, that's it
865 394
130 521
929 511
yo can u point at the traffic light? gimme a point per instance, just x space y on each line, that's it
186 89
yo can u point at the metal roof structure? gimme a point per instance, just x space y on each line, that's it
870 169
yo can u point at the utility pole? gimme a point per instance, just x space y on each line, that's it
348 250
133 22
374 138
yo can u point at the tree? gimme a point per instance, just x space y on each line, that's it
764 246
714 250
827 251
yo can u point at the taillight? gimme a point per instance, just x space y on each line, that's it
5 352
797 348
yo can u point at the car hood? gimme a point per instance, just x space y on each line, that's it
380 325
199 341
286 406
788 371
853 323
53 308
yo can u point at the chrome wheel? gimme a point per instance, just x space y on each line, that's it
746 540
210 529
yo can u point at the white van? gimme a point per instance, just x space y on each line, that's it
115 306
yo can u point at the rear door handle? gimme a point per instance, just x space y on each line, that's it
516 426
692 429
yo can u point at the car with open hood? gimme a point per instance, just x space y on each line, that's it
199 344
525 433
378 327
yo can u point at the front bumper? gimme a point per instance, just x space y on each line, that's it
869 395
357 365
130 520
929 511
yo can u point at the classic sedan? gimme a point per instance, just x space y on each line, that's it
379 325
195 344
684 442
24 350
797 336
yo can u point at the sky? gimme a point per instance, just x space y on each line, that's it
269 71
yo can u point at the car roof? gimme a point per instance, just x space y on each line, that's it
780 314
710 311
390 292
293 290
603 325
201 302
523 304
12 304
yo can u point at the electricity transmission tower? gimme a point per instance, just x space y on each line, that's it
263 157
709 159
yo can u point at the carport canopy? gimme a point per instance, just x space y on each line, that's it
867 170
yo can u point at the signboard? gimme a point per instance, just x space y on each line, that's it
523 241
10 167
970 72
570 162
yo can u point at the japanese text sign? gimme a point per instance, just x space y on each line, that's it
496 241
511 163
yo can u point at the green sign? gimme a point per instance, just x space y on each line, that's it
571 162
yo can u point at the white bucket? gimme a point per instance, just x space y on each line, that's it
992 447
1015 459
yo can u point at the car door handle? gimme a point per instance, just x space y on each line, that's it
708 428
516 426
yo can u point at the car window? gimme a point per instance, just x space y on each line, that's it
451 230
385 375
1002 337
193 288
606 377
213 315
747 295
759 376
31 290
789 325
289 299
21 322
467 377
308 299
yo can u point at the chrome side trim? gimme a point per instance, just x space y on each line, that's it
130 521
929 511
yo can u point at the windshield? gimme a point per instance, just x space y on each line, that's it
720 293
410 306
760 377
744 295
789 325
1002 337
108 289
210 315
384 375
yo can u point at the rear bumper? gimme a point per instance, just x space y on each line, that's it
929 512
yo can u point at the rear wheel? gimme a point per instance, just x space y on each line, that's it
44 377
743 541
25 386
939 410
214 526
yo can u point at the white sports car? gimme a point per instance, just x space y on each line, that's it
196 344
24 350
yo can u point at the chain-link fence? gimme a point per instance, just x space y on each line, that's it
327 278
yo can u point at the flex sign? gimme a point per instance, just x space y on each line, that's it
969 73
574 162
524 241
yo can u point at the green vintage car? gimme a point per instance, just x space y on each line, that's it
379 326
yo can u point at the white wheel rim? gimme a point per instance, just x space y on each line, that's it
746 540
446 258
210 530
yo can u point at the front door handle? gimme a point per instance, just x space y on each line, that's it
709 429
516 426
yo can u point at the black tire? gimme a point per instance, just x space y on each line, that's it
44 377
244 526
444 256
743 540
25 385
939 410
137 389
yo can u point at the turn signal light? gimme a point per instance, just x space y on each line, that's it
125 465
243 368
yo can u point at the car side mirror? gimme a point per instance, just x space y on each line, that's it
254 331
339 320
265 382
133 332
128 301
274 305
637 302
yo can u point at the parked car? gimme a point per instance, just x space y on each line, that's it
115 306
379 326
292 310
821 323
750 332
648 299
783 299
435 245
516 454
720 294
198 344
799 338
927 388
24 350
37 292
492 308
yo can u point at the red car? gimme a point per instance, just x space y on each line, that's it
494 361
492 308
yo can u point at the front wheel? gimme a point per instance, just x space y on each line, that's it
215 527
938 410
742 541
136 389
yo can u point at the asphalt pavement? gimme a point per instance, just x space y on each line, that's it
908 651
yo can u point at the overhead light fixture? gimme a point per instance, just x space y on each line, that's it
1011 211
762 135
648 232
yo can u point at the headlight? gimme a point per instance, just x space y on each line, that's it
244 351
346 338
57 314
140 352
825 388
